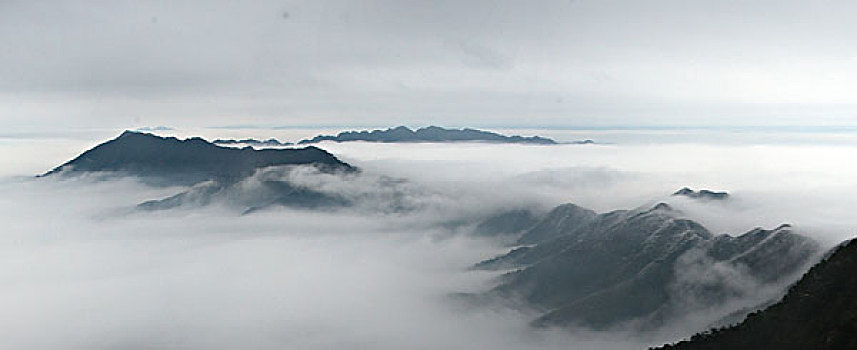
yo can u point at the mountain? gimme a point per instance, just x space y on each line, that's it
247 178
562 219
428 134
818 312
172 161
249 195
702 194
252 142
641 268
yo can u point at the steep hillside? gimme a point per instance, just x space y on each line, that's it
818 312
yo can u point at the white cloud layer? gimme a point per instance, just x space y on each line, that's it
79 270
479 63
771 184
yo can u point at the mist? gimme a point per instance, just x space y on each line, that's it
478 63
770 183
83 269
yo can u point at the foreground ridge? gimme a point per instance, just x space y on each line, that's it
818 312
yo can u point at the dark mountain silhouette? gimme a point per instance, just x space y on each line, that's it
648 266
427 134
818 312
702 194
216 173
249 197
252 142
173 161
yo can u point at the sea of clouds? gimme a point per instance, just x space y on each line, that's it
80 268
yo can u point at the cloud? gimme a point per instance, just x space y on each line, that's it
387 62
81 272
770 184
477 55
84 269
155 128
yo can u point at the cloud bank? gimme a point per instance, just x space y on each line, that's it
83 270
482 63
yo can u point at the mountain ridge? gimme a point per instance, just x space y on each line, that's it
600 271
701 194
427 134
188 161
252 142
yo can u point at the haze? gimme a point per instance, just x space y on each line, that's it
72 64
82 268
756 98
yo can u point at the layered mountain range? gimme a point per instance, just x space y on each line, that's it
634 269
640 268
252 142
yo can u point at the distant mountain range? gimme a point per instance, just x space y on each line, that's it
702 194
403 134
428 134
640 268
252 142
818 312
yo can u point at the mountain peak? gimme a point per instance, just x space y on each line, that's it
663 206
128 133
562 220
783 227
701 194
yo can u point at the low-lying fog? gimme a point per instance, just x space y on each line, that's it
81 270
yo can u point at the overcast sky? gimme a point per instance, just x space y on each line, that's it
124 64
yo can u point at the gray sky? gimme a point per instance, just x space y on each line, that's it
123 64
